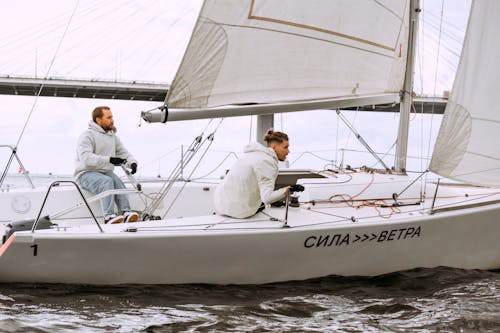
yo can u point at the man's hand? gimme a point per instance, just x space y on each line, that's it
133 166
117 160
296 188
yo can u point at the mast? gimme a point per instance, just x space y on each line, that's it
264 122
406 94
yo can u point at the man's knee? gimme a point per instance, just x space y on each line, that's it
107 184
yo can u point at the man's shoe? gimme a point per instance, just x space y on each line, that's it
113 219
131 217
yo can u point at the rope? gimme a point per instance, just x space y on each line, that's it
434 92
435 82
46 75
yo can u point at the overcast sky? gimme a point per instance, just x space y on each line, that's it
144 41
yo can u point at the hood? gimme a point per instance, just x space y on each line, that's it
94 126
257 147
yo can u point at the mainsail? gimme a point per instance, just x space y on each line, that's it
272 51
467 147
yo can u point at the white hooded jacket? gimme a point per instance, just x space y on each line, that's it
250 181
95 147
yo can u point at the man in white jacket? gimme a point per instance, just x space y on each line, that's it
98 151
251 179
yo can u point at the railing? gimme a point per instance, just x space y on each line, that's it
90 200
57 183
9 163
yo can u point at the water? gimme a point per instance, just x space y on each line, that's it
421 300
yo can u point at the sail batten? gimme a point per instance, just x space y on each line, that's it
466 148
278 51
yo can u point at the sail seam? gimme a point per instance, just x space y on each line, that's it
330 32
308 37
484 156
486 119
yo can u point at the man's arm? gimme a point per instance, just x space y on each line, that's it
266 174
122 152
85 153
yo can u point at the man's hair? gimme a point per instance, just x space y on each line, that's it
97 113
272 136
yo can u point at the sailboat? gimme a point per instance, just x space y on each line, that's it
258 57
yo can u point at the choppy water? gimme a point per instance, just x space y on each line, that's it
422 300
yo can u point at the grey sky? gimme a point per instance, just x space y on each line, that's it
144 41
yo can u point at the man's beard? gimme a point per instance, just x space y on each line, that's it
111 128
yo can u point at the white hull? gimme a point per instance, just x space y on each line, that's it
321 240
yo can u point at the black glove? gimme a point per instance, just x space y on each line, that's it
117 160
296 188
133 166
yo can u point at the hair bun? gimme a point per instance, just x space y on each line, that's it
271 135
268 134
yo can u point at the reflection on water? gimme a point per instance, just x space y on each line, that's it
422 300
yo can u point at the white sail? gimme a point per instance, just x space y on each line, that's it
266 51
467 147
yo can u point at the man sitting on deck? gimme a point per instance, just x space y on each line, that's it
98 151
251 180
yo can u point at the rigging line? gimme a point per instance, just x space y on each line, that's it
342 218
211 139
387 152
420 49
409 185
353 123
434 89
337 142
367 186
214 169
48 71
195 146
361 140
250 130
433 18
406 211
209 122
312 154
423 180
451 204
174 175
